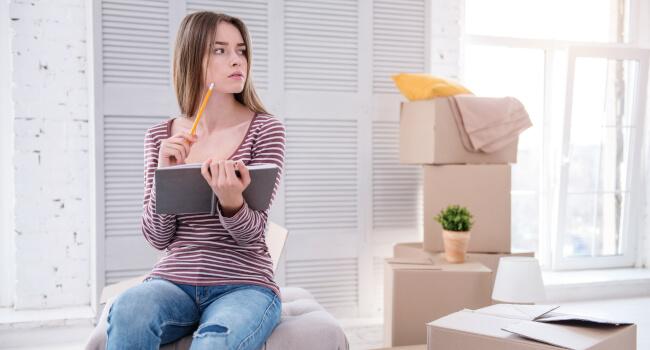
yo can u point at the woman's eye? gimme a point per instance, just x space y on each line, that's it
218 50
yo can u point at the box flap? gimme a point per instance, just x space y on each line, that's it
409 261
467 321
466 267
427 264
517 311
470 322
555 317
566 336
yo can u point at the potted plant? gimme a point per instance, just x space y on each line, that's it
456 222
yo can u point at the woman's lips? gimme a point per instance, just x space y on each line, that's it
237 77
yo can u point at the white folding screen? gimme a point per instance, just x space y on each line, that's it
324 68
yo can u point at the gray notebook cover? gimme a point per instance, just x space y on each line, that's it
181 189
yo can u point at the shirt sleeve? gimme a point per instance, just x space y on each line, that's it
247 225
158 229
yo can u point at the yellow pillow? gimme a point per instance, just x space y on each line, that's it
420 86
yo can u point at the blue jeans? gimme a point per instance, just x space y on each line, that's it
157 312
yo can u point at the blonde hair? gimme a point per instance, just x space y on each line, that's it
193 41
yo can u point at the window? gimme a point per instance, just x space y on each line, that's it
601 156
570 191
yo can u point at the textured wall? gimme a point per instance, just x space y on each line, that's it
446 31
50 160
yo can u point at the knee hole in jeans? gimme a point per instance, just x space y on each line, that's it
216 329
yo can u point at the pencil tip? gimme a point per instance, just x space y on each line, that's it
211 86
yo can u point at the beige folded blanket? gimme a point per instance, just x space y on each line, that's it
488 124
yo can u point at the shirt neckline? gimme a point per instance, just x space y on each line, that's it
248 130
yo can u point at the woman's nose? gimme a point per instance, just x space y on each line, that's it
235 59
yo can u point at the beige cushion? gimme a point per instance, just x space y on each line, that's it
304 325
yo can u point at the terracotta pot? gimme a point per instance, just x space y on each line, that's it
455 245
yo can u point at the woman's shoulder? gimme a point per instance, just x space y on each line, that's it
160 130
265 122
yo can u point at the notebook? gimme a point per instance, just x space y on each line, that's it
181 189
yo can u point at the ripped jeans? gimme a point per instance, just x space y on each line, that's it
157 312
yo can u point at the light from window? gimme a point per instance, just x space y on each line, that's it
573 20
601 123
500 71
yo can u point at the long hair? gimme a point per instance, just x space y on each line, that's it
193 41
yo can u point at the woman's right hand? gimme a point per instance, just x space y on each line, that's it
175 149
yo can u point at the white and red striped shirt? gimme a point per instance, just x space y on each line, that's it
204 249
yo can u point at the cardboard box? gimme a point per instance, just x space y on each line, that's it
408 347
415 250
484 190
429 135
417 292
526 327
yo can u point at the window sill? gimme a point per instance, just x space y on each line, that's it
577 285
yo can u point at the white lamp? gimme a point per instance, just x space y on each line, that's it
518 281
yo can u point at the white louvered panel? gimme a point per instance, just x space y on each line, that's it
254 13
396 188
135 37
124 172
321 174
399 34
321 41
333 282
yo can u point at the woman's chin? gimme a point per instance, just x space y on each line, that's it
232 87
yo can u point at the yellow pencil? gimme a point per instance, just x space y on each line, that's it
198 115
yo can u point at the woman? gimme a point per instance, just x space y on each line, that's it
216 279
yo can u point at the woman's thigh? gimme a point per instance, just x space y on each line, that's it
241 319
150 314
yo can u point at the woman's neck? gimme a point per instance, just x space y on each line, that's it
221 111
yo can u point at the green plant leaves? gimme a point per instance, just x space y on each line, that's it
455 218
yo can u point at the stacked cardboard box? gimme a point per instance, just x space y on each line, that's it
418 291
521 327
452 175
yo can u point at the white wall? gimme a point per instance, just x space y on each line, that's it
7 272
50 153
447 18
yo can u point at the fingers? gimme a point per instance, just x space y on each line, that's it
205 171
185 137
230 171
178 145
214 170
222 174
185 140
243 171
178 151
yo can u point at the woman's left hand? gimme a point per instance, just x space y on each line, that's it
220 175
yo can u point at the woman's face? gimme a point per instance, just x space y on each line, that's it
227 67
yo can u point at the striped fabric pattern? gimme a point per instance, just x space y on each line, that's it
204 249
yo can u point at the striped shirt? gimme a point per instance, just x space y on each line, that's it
204 249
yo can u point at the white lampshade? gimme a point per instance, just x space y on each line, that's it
518 281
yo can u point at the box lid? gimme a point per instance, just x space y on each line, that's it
517 312
427 264
532 323
570 336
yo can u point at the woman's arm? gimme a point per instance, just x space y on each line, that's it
246 225
158 229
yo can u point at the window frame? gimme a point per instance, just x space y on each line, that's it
631 224
551 162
